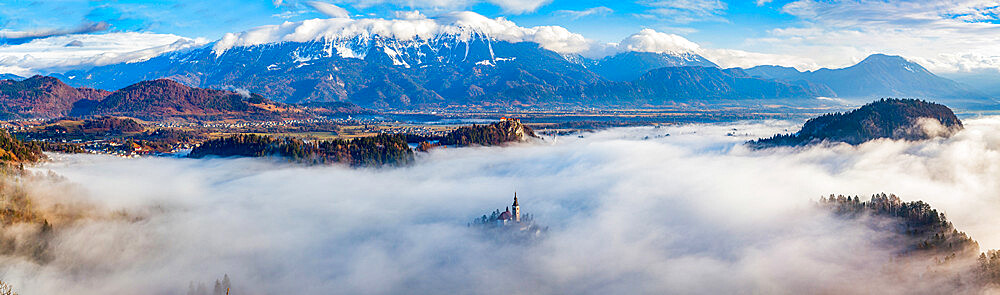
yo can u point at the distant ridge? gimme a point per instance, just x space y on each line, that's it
10 77
878 75
628 66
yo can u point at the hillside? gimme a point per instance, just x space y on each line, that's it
921 235
926 230
41 96
907 119
371 151
13 150
505 131
163 98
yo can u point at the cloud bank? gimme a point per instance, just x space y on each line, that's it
51 54
692 212
944 36
649 40
461 24
415 27
328 9
21 37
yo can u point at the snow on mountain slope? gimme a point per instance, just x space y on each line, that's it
454 27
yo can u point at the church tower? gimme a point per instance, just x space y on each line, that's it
517 209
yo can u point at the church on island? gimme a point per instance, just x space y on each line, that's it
510 220
507 218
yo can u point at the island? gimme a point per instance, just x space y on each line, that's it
899 119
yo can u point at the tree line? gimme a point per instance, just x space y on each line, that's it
382 149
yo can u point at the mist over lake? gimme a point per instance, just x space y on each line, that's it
627 210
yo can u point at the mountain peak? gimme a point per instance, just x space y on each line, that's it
630 65
884 59
461 26
38 96
160 82
43 79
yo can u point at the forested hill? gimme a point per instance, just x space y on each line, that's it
154 100
16 151
907 119
41 96
926 230
164 98
379 150
947 258
374 151
504 131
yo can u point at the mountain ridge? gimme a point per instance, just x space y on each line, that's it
499 74
42 96
161 99
878 75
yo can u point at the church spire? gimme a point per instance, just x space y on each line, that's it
517 209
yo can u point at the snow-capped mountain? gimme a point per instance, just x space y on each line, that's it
365 69
457 59
630 65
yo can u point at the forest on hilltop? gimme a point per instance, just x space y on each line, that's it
886 118
379 150
13 150
504 131
921 233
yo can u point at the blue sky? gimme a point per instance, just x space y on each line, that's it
943 35
610 20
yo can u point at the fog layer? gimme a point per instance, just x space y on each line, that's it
629 211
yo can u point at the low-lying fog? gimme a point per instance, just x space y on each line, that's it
690 212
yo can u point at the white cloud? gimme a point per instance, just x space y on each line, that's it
519 6
413 26
328 9
690 213
51 54
944 36
649 40
18 37
508 6
686 11
410 15
462 24
576 14
763 2
732 58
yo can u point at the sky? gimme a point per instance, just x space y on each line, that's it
946 36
